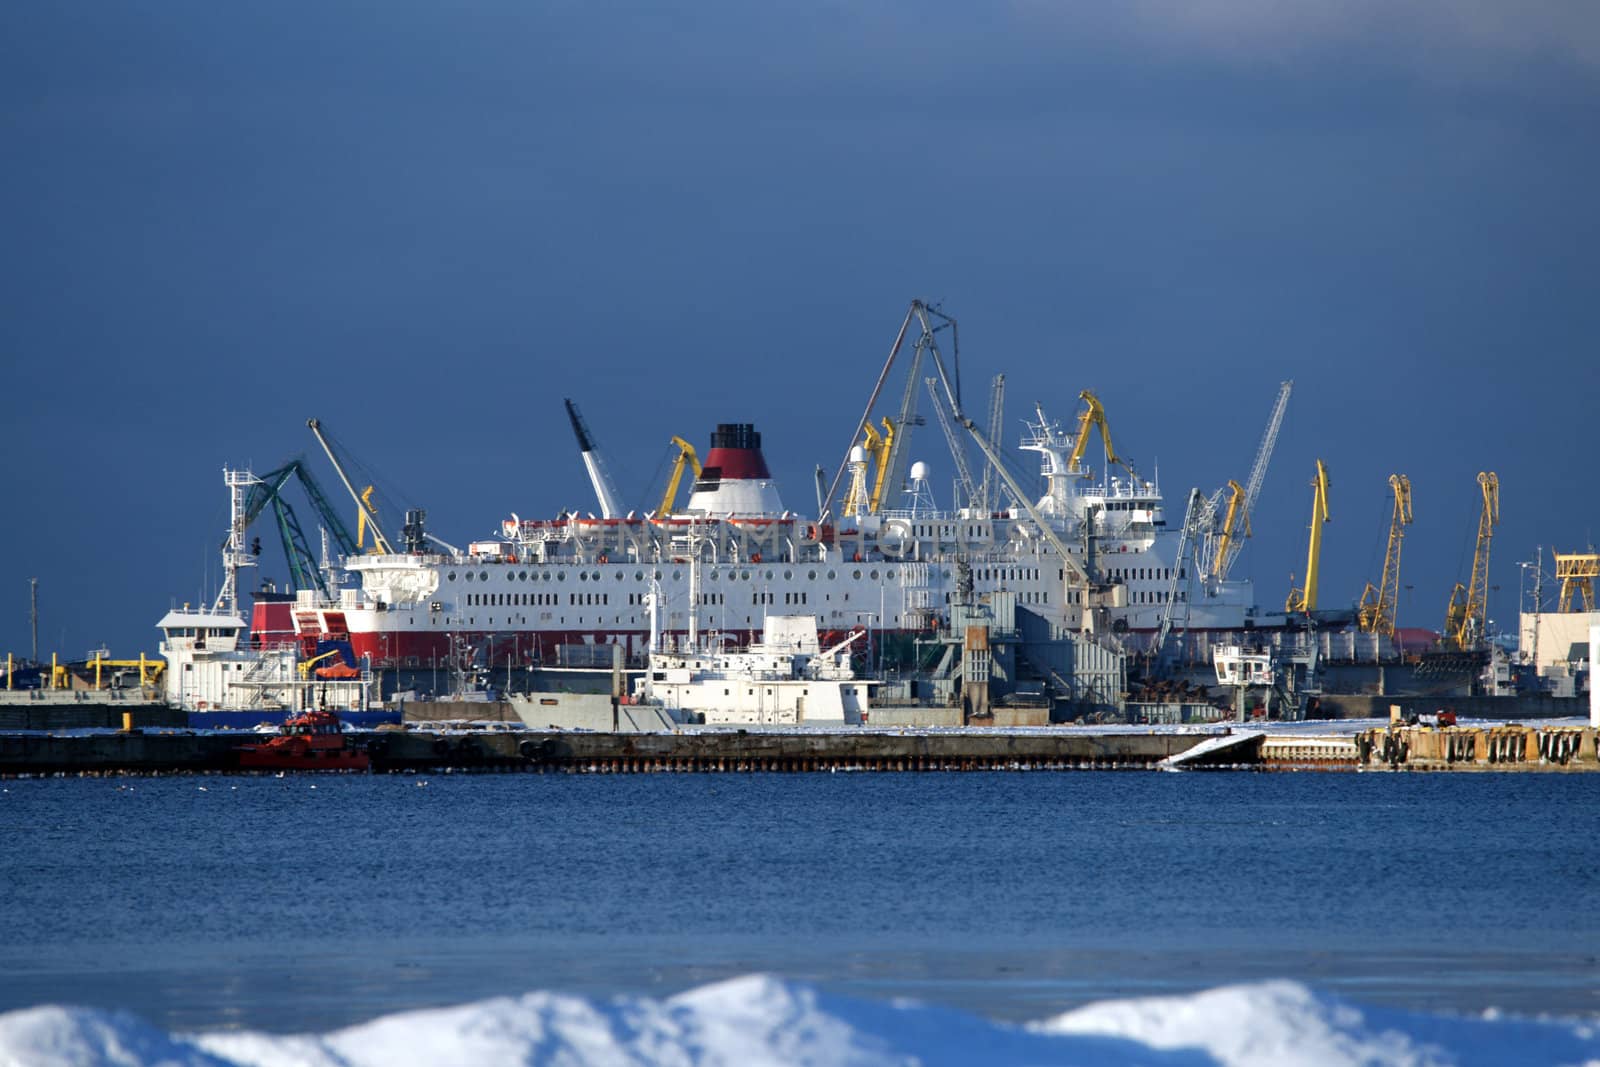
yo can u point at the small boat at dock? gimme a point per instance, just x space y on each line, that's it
310 741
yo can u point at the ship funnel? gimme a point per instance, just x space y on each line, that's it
734 477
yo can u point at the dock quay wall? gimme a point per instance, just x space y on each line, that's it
87 715
1508 747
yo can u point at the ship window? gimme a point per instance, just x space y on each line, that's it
657 574
596 576
811 576
638 576
469 576
787 575
677 575
830 576
744 576
483 576
769 575
522 576
451 576
561 576
583 576
856 574
874 576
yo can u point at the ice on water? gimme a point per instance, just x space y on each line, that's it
758 1020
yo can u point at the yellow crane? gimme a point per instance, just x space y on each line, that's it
1230 522
305 665
1092 417
1577 573
1466 617
879 448
1305 600
686 458
1380 605
367 514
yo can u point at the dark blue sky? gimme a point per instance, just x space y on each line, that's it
427 223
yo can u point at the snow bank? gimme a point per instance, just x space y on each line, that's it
757 1021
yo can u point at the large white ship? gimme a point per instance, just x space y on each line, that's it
582 580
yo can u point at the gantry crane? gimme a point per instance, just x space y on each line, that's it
1380 605
685 458
1305 600
1467 616
1577 573
1093 416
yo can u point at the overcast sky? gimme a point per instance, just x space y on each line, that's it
427 223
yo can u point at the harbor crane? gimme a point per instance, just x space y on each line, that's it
268 491
1226 545
1379 605
363 501
1467 616
1304 601
1577 572
686 457
926 316
1221 543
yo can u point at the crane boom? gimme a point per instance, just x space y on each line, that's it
365 505
1223 559
1094 417
957 452
1191 521
686 458
1379 606
1226 544
599 477
1269 440
997 407
1305 600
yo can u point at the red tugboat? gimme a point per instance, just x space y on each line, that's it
310 741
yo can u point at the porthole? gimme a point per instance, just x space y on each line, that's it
856 575
831 576
889 574
657 573
744 576
451 576
677 576
811 576
583 576
638 576
547 576
769 576
561 576
595 576
712 576
522 576
787 575
619 576
873 576
483 576
469 576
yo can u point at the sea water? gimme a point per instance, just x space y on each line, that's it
309 903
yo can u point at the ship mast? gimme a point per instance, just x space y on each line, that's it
235 553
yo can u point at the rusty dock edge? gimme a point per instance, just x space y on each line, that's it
738 751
